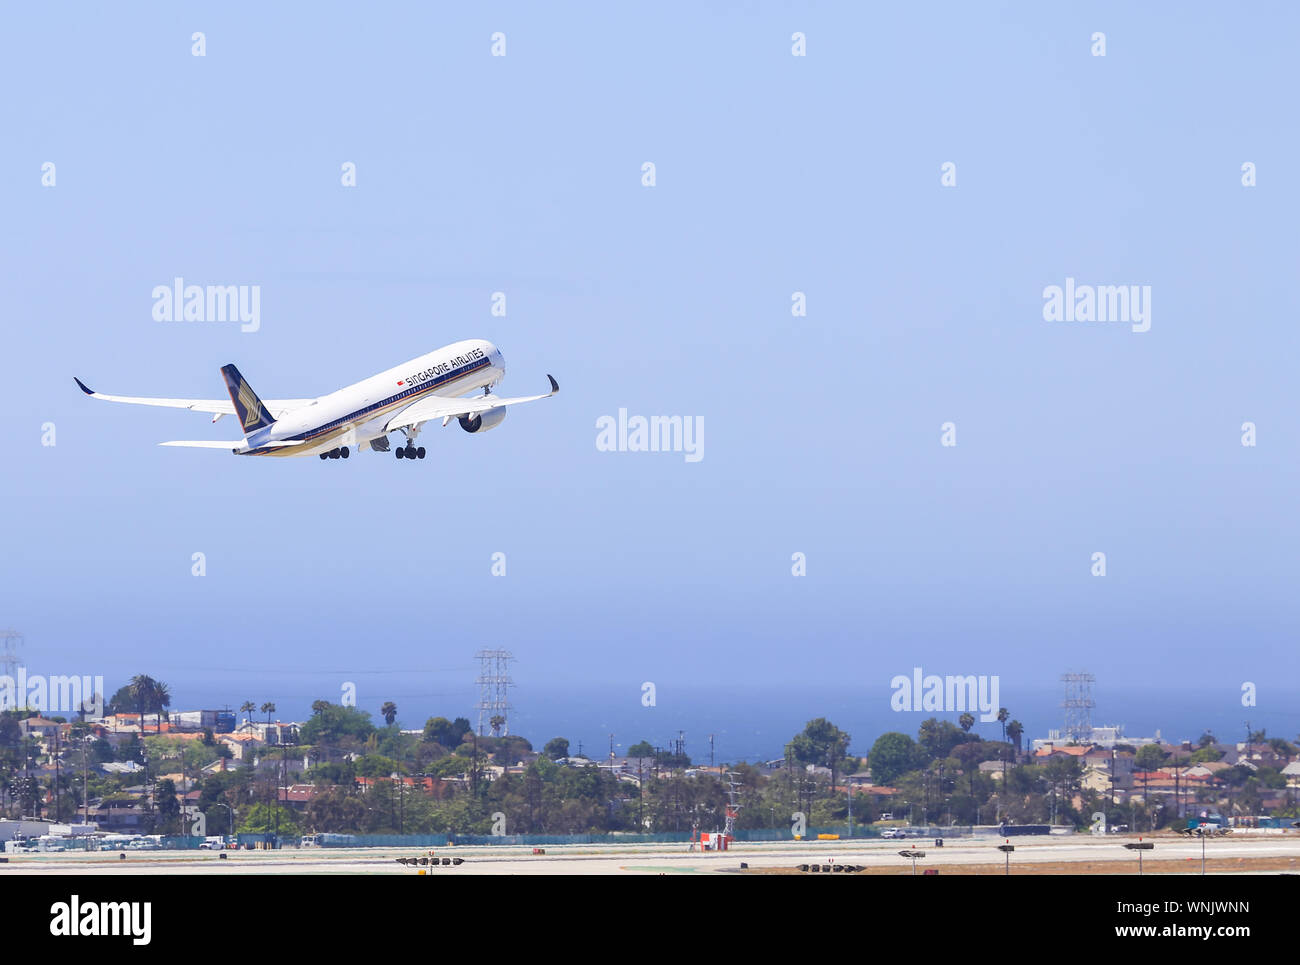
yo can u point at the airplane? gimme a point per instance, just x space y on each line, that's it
1206 831
361 416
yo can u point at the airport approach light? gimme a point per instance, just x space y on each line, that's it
1007 849
913 855
1139 846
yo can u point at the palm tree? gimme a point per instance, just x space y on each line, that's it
496 721
1003 716
1014 730
142 689
966 721
268 708
247 708
389 712
162 699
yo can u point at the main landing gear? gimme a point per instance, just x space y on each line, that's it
341 453
410 451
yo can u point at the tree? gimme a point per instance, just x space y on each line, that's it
496 722
1149 757
1015 730
556 748
247 708
160 700
335 725
939 737
641 750
445 732
820 743
966 721
268 708
168 808
1003 716
892 755
263 818
142 690
388 712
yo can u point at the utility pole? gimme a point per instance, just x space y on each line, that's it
85 779
1112 776
850 809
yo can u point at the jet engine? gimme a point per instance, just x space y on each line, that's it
483 421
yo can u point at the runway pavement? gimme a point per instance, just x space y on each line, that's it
1243 849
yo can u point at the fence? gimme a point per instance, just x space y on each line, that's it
426 841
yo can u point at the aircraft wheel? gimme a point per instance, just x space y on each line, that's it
324 455
344 452
420 452
398 452
410 452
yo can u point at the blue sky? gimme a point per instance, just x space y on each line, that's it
774 174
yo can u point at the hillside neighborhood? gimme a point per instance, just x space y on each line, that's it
142 769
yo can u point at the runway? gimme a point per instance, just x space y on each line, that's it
1068 854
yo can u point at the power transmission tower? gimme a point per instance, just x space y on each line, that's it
1078 705
493 690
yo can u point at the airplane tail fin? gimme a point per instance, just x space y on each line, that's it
248 407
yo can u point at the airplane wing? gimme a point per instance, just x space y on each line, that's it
448 409
237 444
219 407
208 444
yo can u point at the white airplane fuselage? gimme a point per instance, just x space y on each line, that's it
358 413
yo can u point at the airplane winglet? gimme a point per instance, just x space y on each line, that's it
82 385
555 386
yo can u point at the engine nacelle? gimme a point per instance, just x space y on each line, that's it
483 421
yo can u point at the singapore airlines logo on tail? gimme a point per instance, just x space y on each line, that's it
252 407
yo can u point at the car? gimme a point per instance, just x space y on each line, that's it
894 833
